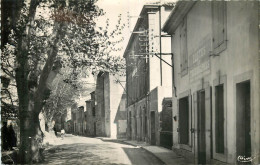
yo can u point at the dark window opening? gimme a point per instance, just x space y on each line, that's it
183 48
184 120
219 119
93 111
219 25
243 119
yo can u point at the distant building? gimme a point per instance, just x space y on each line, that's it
216 80
166 123
74 118
68 127
80 120
60 121
148 76
120 119
90 116
109 95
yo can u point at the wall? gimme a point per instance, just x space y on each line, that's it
100 105
117 101
107 104
90 118
121 118
238 62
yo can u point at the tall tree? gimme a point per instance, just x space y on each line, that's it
39 56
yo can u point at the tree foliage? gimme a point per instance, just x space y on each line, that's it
47 37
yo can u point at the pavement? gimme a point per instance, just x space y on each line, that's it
169 157
84 150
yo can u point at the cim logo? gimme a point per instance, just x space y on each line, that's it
244 159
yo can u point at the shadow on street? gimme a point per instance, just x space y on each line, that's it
96 151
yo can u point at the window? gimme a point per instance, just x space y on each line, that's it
183 45
219 26
219 119
93 111
184 120
243 113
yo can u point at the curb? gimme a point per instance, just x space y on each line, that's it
147 151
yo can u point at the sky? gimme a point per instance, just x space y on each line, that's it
113 8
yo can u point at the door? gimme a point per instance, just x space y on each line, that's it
145 124
152 128
135 127
184 117
130 125
201 128
141 124
94 128
243 141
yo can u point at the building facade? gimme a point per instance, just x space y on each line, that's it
109 100
215 80
77 119
166 123
148 78
120 118
90 116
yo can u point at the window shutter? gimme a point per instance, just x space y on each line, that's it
218 16
178 120
185 48
190 120
208 114
221 22
183 38
215 23
181 50
194 121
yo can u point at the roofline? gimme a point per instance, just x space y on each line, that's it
177 15
130 41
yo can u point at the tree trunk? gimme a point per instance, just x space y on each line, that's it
30 102
29 126
31 138
31 134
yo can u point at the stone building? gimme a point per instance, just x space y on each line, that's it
80 120
60 122
90 116
120 119
108 96
148 74
215 80
77 119
68 126
166 123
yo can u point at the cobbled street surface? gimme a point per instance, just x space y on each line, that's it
83 150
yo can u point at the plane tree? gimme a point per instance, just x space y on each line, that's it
46 37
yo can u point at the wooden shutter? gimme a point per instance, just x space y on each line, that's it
215 23
178 120
190 120
221 23
183 38
208 120
195 121
218 16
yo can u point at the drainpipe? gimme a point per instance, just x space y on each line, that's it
173 78
160 38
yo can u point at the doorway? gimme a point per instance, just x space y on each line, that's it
184 117
201 128
94 128
243 116
152 128
130 125
145 124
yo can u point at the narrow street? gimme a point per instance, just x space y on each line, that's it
83 150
